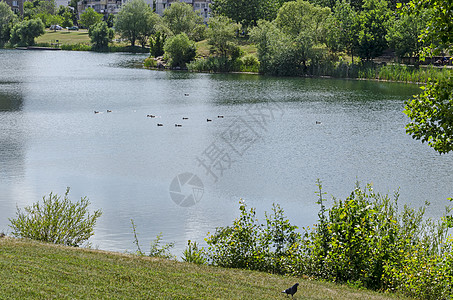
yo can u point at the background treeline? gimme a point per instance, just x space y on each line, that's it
288 38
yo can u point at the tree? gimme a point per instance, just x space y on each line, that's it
179 50
403 34
89 17
285 46
301 18
247 12
74 9
181 18
277 52
373 21
110 20
39 7
136 21
344 29
66 14
100 35
221 33
7 21
438 33
156 44
431 113
25 32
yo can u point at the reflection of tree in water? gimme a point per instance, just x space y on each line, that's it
11 133
10 100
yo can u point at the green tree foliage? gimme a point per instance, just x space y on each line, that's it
404 31
110 20
249 244
285 46
39 7
25 32
344 27
67 16
56 220
7 21
181 18
221 33
89 17
438 34
301 19
100 35
49 20
373 21
431 113
156 44
179 50
75 10
247 12
136 22
363 240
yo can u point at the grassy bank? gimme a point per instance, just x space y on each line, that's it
35 270
64 37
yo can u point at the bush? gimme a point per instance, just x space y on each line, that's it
150 63
247 244
25 32
179 50
193 254
76 47
156 44
363 241
158 250
100 35
56 221
250 63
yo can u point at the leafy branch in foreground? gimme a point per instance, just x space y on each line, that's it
56 220
431 113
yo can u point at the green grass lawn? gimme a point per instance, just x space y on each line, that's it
35 270
245 45
64 36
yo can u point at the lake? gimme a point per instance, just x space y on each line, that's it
267 141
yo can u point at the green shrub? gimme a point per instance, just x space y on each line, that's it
150 63
56 220
250 63
179 50
76 47
158 250
193 254
247 244
366 241
101 35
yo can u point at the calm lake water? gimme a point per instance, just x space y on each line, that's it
267 148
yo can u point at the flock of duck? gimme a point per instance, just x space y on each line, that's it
161 124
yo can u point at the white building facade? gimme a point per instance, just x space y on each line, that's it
200 6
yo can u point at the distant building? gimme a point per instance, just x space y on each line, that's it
107 7
200 6
17 6
104 7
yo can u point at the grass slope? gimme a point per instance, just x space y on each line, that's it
36 270
64 36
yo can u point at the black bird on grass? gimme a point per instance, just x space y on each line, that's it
292 290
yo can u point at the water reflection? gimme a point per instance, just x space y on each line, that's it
50 138
10 99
